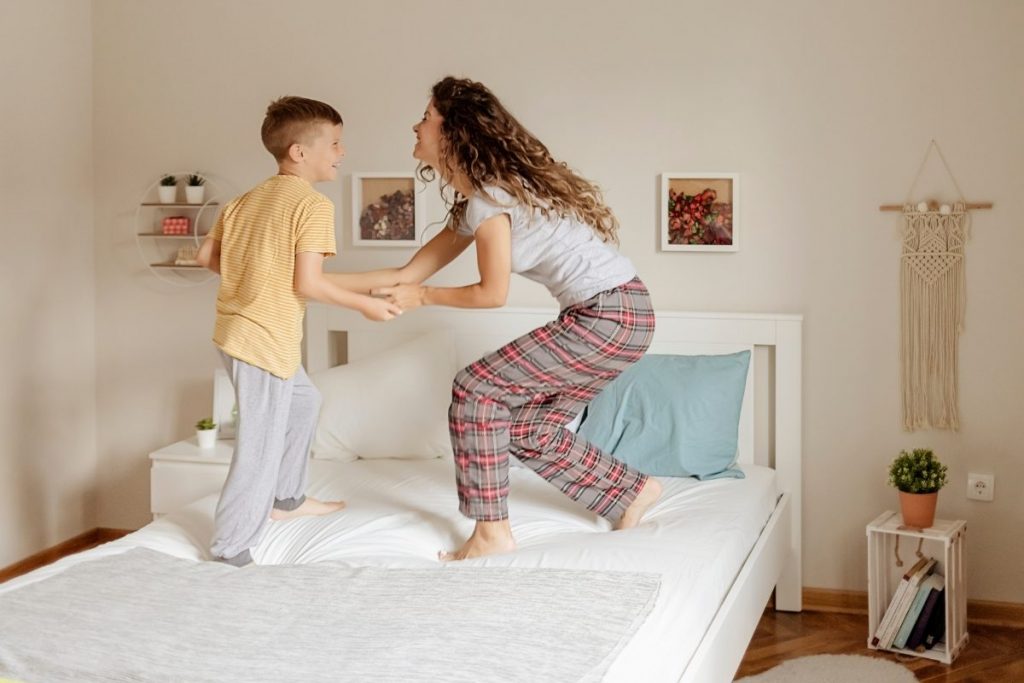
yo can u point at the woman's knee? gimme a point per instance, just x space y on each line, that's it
466 377
468 386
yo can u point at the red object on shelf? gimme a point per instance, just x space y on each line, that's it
177 225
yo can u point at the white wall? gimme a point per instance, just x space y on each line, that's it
47 353
824 108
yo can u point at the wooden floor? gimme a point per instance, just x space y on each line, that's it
85 541
993 654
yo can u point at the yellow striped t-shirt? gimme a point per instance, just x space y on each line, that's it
259 313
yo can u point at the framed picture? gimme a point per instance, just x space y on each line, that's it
698 212
387 210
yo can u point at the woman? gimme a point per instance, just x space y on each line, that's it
529 214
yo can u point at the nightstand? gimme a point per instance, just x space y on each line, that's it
943 541
182 473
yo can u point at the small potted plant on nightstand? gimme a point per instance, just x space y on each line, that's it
194 189
168 189
918 476
206 432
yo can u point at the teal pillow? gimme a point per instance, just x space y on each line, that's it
674 416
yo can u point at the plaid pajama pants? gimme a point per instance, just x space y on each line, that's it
518 399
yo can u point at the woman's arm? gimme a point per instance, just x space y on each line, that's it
430 258
494 260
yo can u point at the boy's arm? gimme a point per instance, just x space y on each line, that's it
494 260
209 254
311 282
431 257
365 282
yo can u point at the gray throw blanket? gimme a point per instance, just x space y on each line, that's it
147 616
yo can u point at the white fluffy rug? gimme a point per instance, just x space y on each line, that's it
834 669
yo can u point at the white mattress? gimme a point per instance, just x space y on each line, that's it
402 512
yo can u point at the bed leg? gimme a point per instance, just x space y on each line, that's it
789 589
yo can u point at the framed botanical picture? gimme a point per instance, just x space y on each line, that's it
387 210
698 211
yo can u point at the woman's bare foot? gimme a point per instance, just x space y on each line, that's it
309 507
648 495
489 538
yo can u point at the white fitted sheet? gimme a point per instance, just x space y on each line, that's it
402 512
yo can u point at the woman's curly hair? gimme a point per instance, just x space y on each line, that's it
485 142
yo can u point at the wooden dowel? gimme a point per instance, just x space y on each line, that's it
969 205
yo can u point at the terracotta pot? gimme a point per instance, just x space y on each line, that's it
918 509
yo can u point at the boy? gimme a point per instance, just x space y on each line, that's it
269 246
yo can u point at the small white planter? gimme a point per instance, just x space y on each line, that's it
207 438
194 194
168 193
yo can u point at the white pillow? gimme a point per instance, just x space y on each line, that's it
574 426
393 404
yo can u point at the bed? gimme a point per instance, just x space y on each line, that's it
710 552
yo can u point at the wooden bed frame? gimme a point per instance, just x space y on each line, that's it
770 429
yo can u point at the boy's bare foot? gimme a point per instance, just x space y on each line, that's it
489 538
648 495
309 507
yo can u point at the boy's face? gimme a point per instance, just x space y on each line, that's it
324 152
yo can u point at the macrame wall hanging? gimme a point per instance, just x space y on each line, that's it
933 298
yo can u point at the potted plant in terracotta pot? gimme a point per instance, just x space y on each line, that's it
206 433
918 476
194 188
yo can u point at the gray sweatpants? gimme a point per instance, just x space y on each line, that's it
269 468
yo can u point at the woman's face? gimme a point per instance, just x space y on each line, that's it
428 137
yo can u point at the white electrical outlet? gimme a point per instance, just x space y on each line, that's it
981 486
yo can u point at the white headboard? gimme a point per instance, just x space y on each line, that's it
770 422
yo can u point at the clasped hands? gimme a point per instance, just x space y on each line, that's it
406 297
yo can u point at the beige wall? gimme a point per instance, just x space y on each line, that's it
825 109
47 396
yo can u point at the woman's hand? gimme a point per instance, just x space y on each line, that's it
406 297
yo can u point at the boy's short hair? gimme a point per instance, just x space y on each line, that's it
294 119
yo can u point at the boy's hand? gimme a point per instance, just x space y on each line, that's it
379 309
407 297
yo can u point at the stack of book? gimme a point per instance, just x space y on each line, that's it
916 616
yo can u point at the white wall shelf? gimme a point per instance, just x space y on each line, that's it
157 250
179 205
160 235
